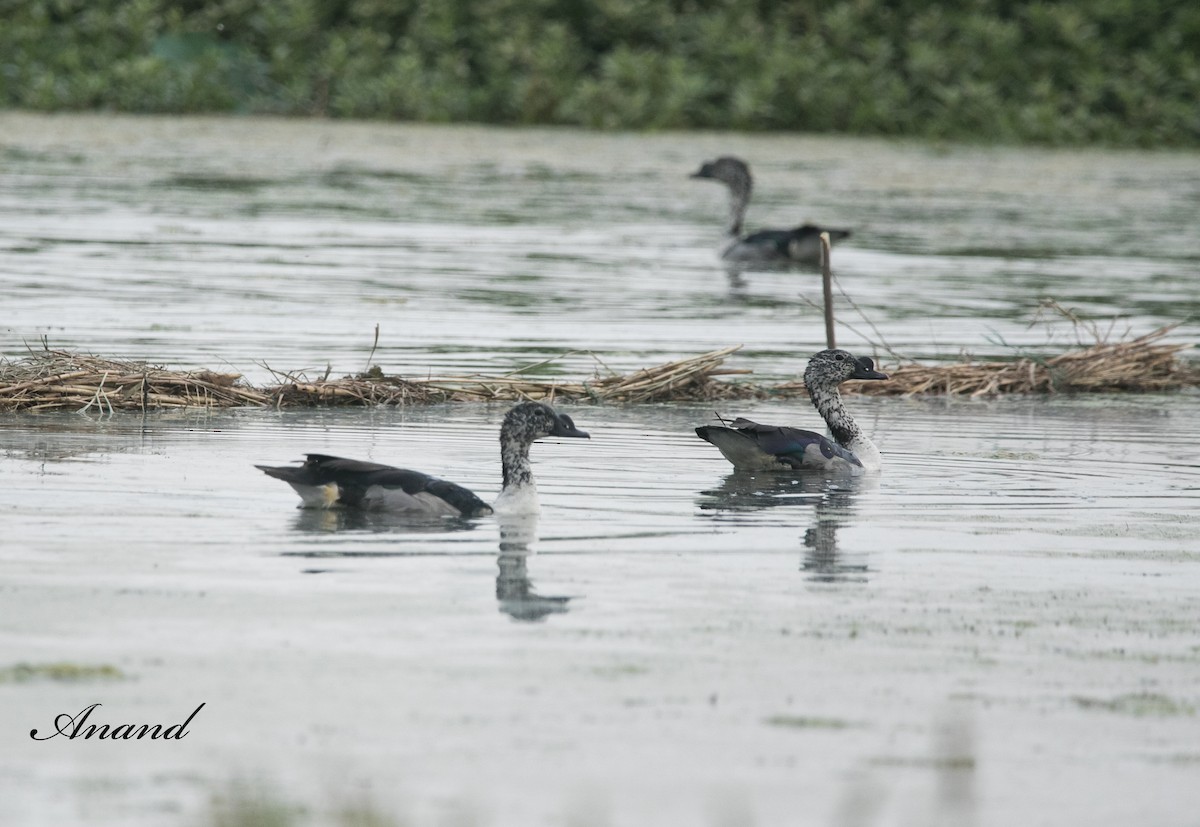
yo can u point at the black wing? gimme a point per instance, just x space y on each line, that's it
794 447
806 231
767 243
354 478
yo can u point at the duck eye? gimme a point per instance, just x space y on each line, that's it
840 357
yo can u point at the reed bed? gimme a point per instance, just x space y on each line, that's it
59 380
1145 364
355 390
691 378
55 380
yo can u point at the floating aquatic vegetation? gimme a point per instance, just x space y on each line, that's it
59 380
1144 364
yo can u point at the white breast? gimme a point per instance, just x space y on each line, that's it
518 499
867 453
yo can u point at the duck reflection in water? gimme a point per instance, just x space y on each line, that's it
390 522
514 589
518 542
832 501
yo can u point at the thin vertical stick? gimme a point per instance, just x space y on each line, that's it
827 285
370 355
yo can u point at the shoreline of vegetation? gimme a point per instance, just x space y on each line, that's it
1069 73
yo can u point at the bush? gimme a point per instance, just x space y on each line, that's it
1111 71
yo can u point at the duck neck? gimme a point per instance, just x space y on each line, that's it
514 462
828 402
739 199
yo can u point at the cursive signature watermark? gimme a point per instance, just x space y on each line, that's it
77 726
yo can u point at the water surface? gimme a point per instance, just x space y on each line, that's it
248 242
1015 594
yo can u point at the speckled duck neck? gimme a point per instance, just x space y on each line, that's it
827 399
514 455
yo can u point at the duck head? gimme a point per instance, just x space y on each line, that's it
531 421
833 367
730 171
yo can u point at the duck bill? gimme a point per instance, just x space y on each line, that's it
565 427
866 370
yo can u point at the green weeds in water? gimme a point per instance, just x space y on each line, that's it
64 672
1138 704
809 722
244 805
20 155
1028 456
243 809
216 183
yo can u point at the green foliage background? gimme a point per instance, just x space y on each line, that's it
1082 71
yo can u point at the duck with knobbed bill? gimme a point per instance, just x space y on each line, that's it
324 481
751 446
776 248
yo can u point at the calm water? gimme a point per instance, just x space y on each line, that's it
1068 476
204 242
998 629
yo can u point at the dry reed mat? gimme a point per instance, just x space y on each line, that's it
686 379
49 380
1145 364
57 380
691 378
